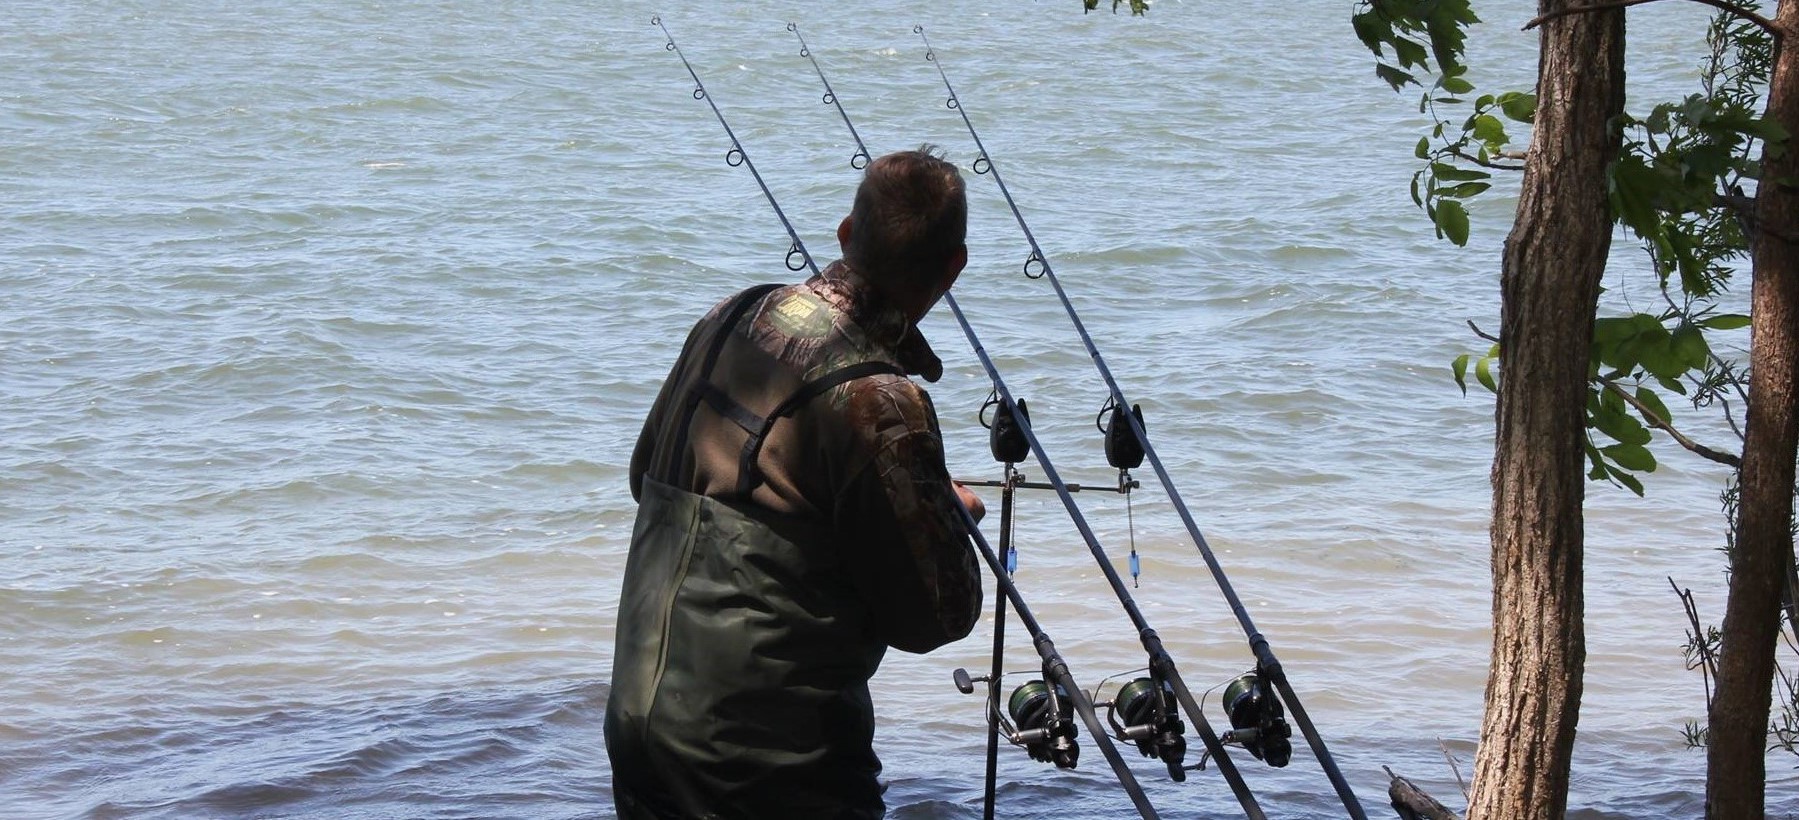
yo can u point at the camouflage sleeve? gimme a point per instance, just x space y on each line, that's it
902 539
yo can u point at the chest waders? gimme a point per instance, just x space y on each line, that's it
742 657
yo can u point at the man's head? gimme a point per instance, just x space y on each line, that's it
906 231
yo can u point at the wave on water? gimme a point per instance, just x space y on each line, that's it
526 753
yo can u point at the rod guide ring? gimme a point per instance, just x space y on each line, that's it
1042 266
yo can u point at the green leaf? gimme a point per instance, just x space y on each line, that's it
1611 402
1595 458
1465 190
1394 77
1449 173
1634 186
1459 368
1690 347
1616 423
1519 107
1613 329
1629 481
1371 27
1631 457
1654 402
1457 85
1662 360
1423 149
1654 347
1452 218
1408 52
1768 130
1488 129
1446 22
1483 372
1727 321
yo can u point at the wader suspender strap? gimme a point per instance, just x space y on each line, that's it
747 474
757 426
691 401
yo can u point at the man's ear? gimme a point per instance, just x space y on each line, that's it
953 267
843 235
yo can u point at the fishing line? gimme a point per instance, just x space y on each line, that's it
1054 667
1267 664
1161 665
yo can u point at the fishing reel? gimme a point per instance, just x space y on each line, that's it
1257 722
1040 719
1144 713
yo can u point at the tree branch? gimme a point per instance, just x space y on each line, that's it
1489 163
1765 23
1707 663
1449 756
1481 333
1660 423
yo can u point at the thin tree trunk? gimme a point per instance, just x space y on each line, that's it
1736 758
1554 260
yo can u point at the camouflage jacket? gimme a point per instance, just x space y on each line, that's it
861 465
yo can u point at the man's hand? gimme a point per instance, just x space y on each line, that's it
973 502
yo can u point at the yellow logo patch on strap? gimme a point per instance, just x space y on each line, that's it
802 315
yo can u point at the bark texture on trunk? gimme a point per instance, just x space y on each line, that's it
1736 760
1554 260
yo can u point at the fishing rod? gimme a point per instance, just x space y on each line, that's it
1161 738
1267 665
1049 733
737 156
861 158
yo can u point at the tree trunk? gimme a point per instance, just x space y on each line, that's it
1737 754
1554 259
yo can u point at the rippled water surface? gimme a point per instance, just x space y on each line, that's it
328 327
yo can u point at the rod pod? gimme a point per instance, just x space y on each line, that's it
1161 665
1037 266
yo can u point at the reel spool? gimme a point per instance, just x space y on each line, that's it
1257 721
1043 727
1144 713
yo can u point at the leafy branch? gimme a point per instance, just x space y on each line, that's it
1414 37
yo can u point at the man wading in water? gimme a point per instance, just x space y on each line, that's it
795 519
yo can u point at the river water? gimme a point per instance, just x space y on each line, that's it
328 327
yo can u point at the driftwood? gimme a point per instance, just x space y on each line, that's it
1413 804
